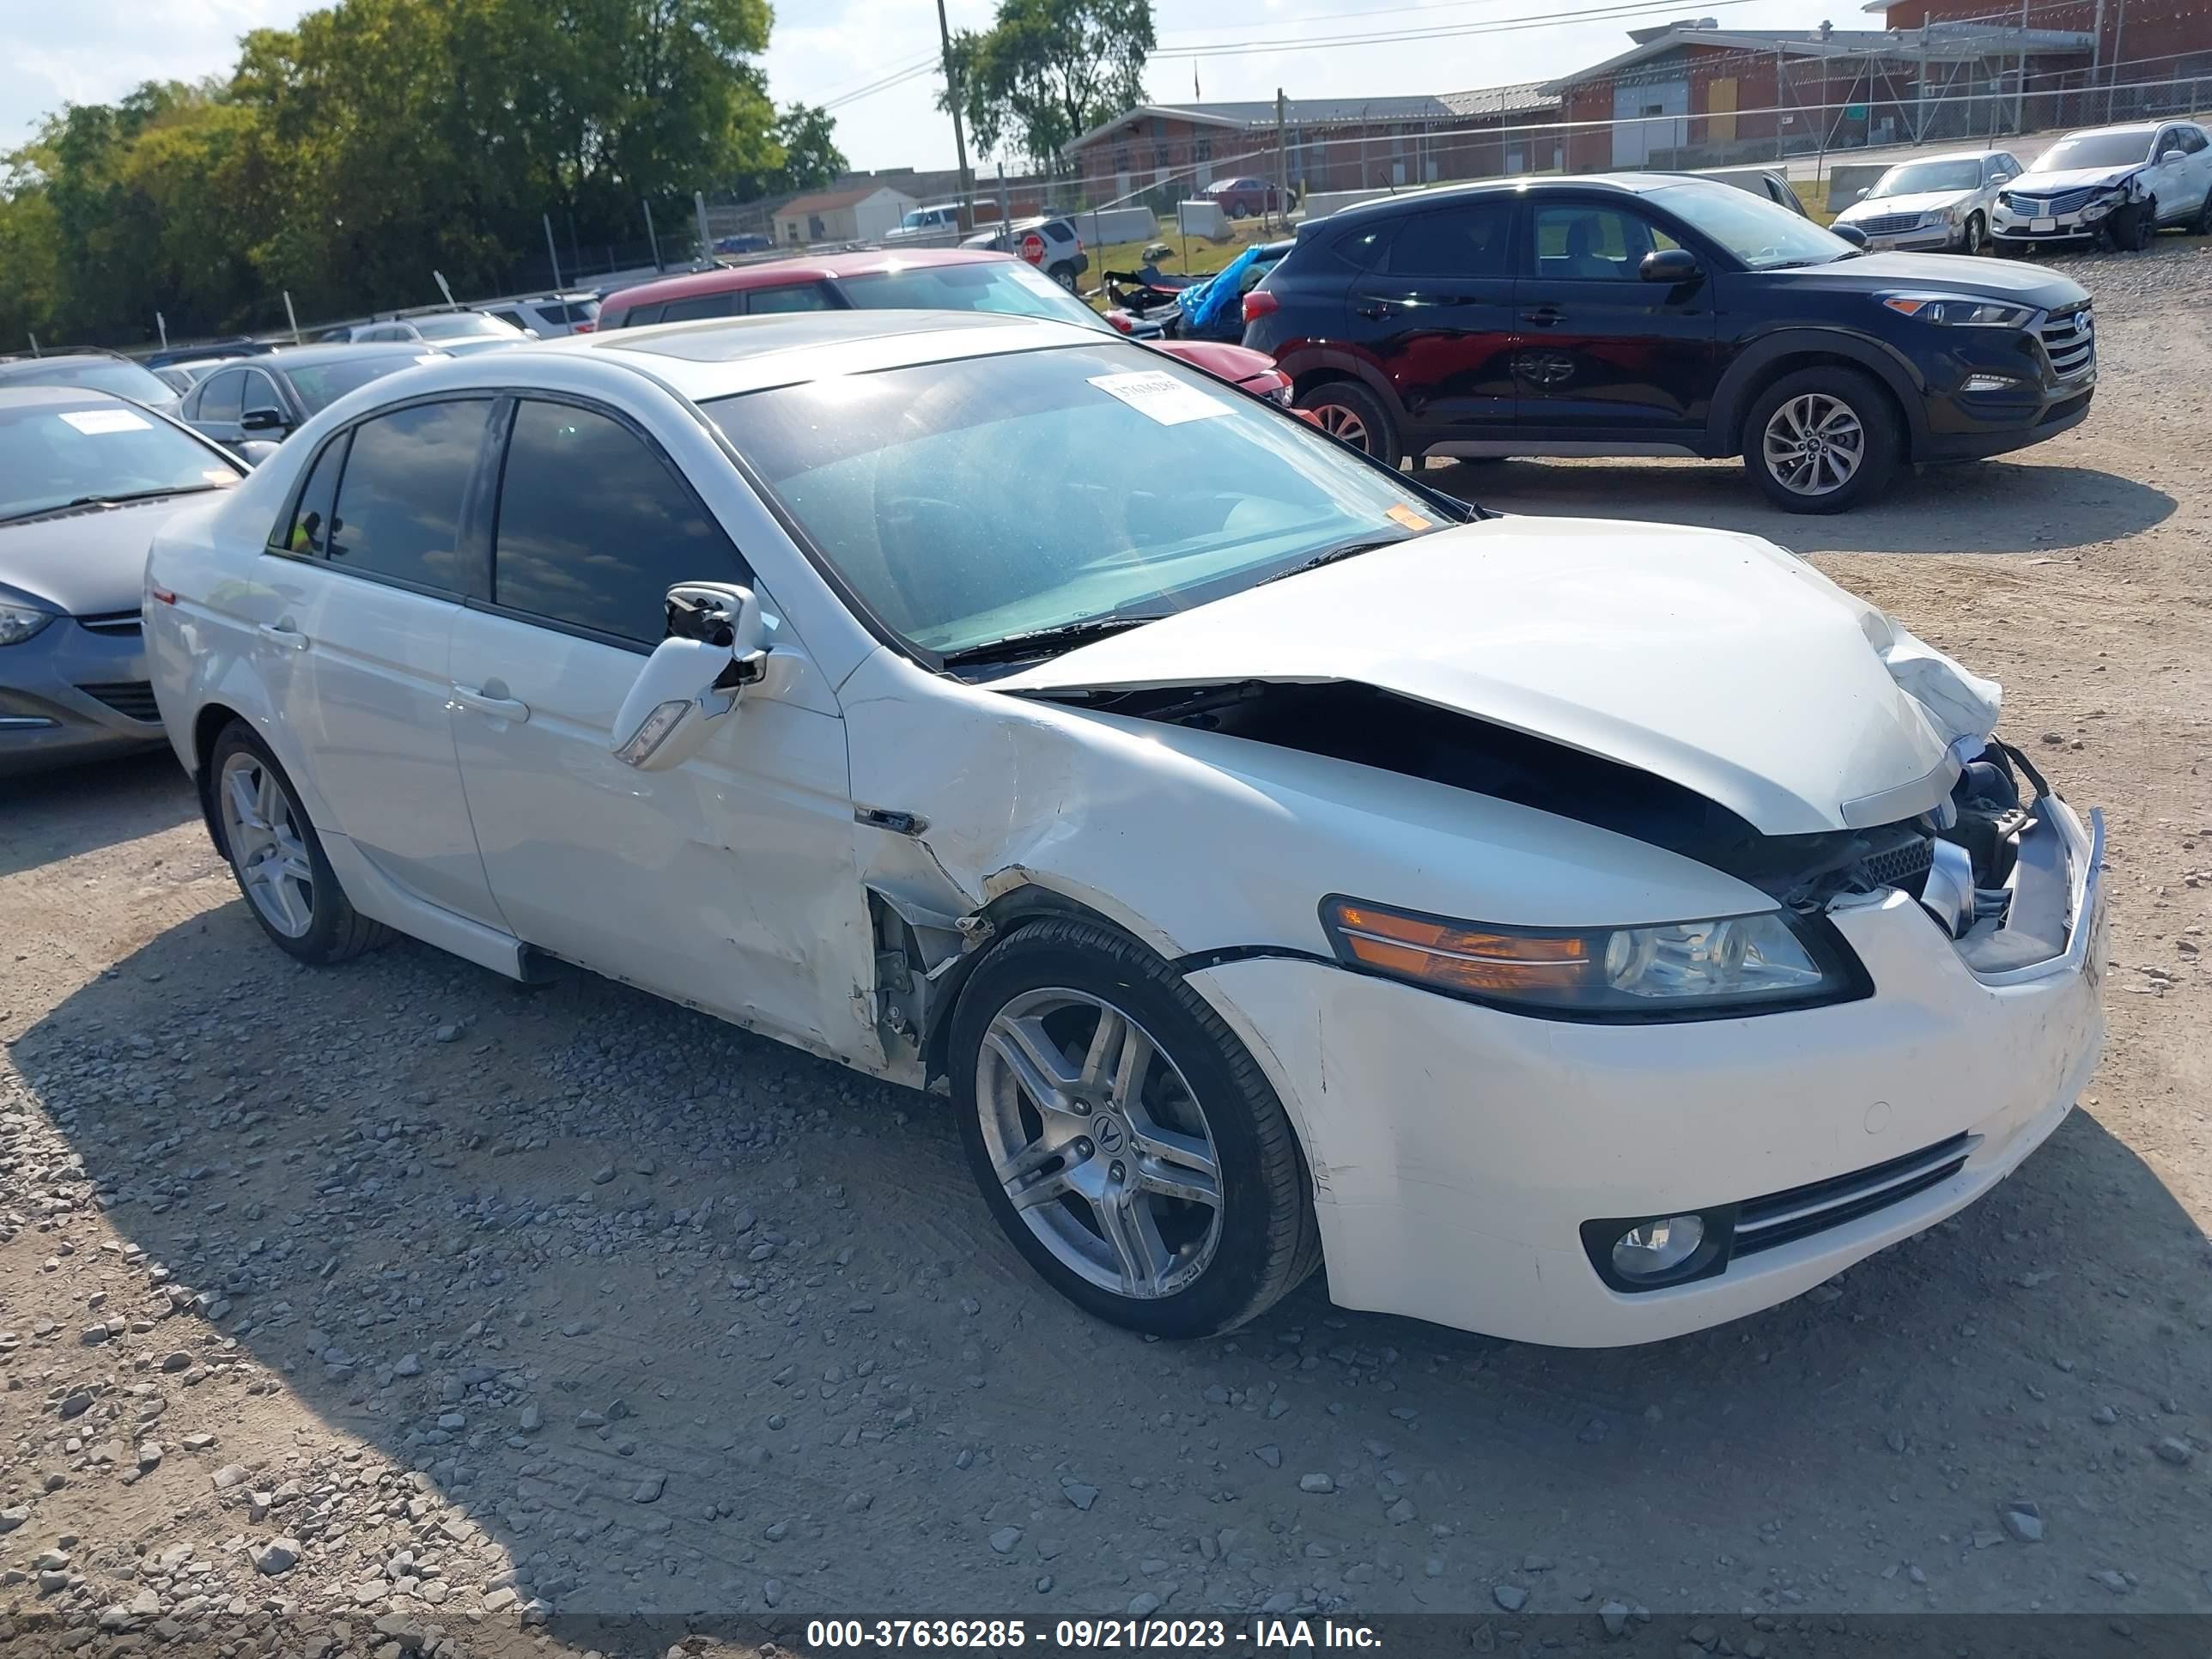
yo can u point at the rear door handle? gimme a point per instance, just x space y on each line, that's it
500 708
1543 316
1378 309
285 635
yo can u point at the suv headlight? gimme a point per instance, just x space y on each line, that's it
19 622
1709 969
1960 310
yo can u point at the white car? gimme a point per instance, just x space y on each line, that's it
2122 184
926 226
548 316
1936 204
1579 932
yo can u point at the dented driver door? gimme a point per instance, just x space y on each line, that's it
726 882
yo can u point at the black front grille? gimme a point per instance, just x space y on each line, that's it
1905 867
1765 1222
118 623
132 698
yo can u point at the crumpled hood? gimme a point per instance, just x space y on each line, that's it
2057 184
1883 207
1713 659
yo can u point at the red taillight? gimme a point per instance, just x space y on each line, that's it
1259 303
162 594
1120 320
583 328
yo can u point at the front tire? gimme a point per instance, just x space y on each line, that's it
276 857
1349 411
2132 228
1124 1139
1977 237
1822 440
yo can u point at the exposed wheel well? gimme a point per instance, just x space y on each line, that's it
1755 387
207 726
1301 384
1006 913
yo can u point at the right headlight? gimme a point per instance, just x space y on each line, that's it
19 622
1708 969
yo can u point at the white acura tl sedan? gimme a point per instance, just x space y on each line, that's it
1582 933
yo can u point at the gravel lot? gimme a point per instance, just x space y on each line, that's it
395 1308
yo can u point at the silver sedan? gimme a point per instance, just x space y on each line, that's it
1936 204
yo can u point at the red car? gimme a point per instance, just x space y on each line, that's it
916 279
1242 197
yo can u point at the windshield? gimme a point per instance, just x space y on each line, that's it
459 324
2094 150
967 502
1764 236
321 384
1007 287
1919 176
52 455
116 374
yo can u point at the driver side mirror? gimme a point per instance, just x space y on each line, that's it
262 420
2167 158
1851 233
1860 194
717 644
1668 264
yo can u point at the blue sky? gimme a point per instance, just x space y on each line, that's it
92 49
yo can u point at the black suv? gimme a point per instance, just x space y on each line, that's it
1665 315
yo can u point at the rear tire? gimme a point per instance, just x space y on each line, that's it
1239 210
1822 440
1349 412
276 857
2202 224
1065 275
1149 1091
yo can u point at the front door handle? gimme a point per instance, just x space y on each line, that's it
1543 316
284 635
500 708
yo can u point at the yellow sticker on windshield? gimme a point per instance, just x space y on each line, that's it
1406 516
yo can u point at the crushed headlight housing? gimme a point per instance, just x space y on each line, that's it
19 622
2103 205
1960 310
1706 969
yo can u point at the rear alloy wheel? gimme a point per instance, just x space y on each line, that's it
1239 210
277 857
1348 410
1124 1139
1820 441
1977 236
1065 275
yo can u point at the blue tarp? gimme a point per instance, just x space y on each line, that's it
1204 302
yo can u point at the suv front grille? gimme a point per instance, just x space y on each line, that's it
1782 1217
2037 206
132 698
2071 342
1889 224
119 623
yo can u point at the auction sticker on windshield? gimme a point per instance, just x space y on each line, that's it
93 421
1161 397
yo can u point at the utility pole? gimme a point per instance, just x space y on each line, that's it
1282 163
2020 79
965 212
551 251
706 238
650 235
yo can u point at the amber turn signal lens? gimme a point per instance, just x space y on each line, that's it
1460 959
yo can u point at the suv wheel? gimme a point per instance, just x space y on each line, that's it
1348 411
1822 440
1065 275
2131 229
277 857
1124 1139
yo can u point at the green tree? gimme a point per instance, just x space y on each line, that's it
1046 71
808 138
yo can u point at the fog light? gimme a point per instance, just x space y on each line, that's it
1653 1248
1988 383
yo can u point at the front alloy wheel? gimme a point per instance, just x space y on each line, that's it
1124 1138
1099 1143
1977 239
1814 444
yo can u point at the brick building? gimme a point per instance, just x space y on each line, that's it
1694 94
1171 152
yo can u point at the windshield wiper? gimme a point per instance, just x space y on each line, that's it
1047 641
121 495
1341 551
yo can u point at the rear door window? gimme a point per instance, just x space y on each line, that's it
1470 240
399 512
698 306
595 527
806 296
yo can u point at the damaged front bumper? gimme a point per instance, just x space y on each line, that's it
1458 1152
